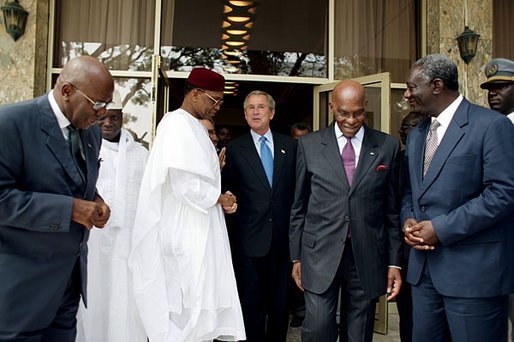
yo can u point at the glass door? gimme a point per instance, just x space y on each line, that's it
378 93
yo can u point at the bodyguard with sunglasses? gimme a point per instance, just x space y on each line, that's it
48 202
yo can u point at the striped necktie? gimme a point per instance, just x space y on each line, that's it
431 145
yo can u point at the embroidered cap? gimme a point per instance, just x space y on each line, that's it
206 79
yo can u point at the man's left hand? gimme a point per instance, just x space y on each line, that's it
426 232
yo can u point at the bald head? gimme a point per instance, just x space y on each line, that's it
348 106
349 89
85 71
83 83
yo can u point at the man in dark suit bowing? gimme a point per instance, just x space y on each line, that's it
345 232
259 171
457 210
48 202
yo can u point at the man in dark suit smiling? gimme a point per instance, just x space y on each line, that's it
345 232
48 202
259 171
457 210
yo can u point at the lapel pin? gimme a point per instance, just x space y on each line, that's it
372 153
89 145
283 152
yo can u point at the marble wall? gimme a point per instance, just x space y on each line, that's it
23 62
446 21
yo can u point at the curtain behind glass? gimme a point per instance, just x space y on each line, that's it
106 29
503 26
374 36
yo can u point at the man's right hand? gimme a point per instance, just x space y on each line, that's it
297 274
86 212
227 200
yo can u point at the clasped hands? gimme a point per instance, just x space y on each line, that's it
419 235
90 213
229 202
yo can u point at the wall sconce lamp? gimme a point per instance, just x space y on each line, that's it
468 41
15 19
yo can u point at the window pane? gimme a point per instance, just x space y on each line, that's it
280 37
375 36
118 32
503 44
137 111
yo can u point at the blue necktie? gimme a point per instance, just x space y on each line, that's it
267 159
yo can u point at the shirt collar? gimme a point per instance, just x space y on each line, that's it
61 119
446 115
256 136
359 136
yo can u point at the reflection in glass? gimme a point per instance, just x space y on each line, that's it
280 37
375 36
119 33
137 110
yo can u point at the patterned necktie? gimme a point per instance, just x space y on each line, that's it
431 145
74 142
348 157
267 159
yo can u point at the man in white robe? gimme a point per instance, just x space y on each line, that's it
184 282
111 314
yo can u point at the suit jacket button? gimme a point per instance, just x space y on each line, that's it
347 218
270 219
423 209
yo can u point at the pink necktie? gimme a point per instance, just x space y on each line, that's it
348 156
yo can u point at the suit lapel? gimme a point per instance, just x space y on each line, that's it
451 138
416 152
330 151
252 157
56 142
367 156
279 155
89 153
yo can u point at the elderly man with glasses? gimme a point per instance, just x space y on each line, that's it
48 202
183 277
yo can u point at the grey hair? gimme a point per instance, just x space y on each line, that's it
439 66
269 99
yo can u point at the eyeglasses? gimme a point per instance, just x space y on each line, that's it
97 105
216 102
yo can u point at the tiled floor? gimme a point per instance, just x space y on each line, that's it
293 334
392 334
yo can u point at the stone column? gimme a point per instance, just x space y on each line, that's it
23 62
446 21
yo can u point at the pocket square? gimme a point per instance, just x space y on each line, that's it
381 167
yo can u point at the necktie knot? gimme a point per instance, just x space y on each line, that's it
434 125
263 139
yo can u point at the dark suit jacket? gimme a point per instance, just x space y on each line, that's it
326 206
468 194
263 212
39 244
